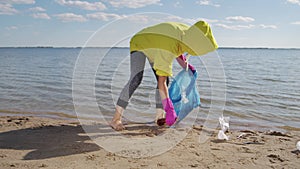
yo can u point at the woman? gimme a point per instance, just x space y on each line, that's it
161 44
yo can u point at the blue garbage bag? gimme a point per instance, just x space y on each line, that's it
184 94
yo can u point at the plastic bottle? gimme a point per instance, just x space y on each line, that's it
298 145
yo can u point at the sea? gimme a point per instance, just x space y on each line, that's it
258 88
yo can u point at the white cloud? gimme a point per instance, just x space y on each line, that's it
242 27
240 19
7 9
235 27
40 16
91 6
104 16
178 19
6 6
111 16
18 1
37 9
143 18
296 23
133 3
207 3
11 28
297 2
268 26
171 18
70 17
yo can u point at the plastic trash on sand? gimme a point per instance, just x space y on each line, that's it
224 124
298 145
184 94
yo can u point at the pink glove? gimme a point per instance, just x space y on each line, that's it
170 112
192 68
182 61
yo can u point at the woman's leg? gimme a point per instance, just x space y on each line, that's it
160 113
163 88
157 95
137 65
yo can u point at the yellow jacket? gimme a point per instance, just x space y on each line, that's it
164 42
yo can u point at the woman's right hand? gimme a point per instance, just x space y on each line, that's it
171 116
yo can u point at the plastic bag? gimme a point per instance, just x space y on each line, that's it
224 124
184 94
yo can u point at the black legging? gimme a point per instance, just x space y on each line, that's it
137 65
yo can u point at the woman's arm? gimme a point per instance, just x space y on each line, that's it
182 62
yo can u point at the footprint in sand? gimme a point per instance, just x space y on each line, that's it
275 158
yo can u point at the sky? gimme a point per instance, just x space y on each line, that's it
76 23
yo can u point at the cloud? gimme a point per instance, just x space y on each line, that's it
178 19
267 26
235 27
242 27
18 1
6 6
104 16
40 16
133 3
141 18
170 18
37 9
297 2
207 3
7 9
91 6
110 16
11 28
296 23
240 19
39 13
190 20
70 17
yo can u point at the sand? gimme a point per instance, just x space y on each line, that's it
35 142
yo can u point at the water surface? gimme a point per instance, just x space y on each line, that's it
262 85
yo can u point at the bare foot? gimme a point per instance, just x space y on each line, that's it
117 125
160 117
161 122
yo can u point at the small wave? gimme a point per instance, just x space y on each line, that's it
273 80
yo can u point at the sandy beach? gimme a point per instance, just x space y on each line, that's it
35 142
